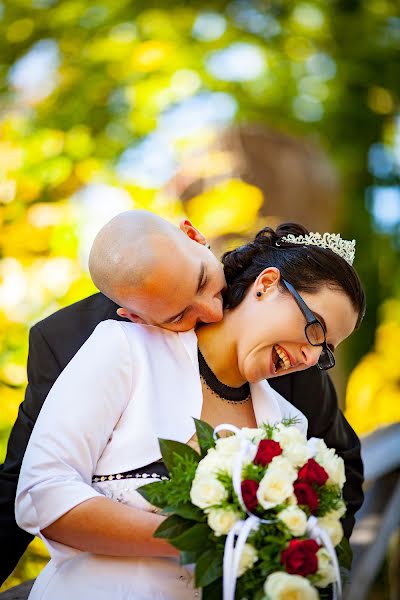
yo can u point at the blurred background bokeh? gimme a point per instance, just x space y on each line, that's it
235 113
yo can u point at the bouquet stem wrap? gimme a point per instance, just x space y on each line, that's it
242 529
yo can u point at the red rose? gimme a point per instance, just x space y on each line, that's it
249 490
306 495
312 472
266 451
300 557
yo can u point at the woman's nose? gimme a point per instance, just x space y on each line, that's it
311 354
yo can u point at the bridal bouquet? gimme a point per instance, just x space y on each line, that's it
257 512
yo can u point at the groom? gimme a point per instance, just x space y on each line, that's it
152 272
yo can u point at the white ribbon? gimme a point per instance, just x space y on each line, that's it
319 534
242 529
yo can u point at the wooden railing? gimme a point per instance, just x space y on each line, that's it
379 517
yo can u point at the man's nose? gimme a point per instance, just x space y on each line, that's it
311 354
210 310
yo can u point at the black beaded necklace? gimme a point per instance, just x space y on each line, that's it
233 395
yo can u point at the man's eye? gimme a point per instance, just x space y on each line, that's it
177 320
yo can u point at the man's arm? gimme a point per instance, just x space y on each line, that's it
313 393
43 370
338 434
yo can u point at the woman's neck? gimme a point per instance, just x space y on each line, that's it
218 345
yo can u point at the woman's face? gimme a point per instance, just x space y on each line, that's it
271 327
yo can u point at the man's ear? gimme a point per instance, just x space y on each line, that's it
190 230
127 314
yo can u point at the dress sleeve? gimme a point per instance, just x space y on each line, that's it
73 428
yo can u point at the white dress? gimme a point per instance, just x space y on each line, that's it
93 577
127 386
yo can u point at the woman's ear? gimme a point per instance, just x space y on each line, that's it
194 234
268 280
127 314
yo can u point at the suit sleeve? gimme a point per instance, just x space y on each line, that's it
73 428
313 392
43 370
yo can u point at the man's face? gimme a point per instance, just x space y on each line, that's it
183 289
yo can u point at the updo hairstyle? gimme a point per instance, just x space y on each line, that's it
307 268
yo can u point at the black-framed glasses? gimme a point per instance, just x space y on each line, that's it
314 330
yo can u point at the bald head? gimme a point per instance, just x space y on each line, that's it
157 273
126 251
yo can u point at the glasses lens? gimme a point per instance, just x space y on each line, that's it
326 360
315 333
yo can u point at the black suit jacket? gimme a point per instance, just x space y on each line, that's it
56 339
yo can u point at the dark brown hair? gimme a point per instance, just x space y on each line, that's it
307 268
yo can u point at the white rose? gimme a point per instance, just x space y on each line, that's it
207 491
326 571
339 512
297 454
248 559
283 465
213 462
333 465
227 449
275 487
295 520
288 435
281 586
228 445
255 435
316 445
221 521
333 528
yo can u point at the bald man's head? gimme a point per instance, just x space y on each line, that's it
158 273
125 249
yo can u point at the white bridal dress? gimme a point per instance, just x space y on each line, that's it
88 576
97 434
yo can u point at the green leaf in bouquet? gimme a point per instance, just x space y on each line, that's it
344 554
155 493
172 527
213 591
171 450
205 436
252 471
196 537
187 510
208 568
290 421
329 498
187 558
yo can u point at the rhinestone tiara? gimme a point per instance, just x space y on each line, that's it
344 248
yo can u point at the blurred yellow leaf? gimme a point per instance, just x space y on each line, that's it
230 206
373 390
149 56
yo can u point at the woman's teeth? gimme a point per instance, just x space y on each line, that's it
284 362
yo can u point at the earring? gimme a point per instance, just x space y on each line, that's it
259 294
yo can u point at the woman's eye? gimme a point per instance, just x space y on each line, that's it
331 348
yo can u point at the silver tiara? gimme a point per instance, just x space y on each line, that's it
344 248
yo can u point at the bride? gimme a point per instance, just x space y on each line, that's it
290 302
